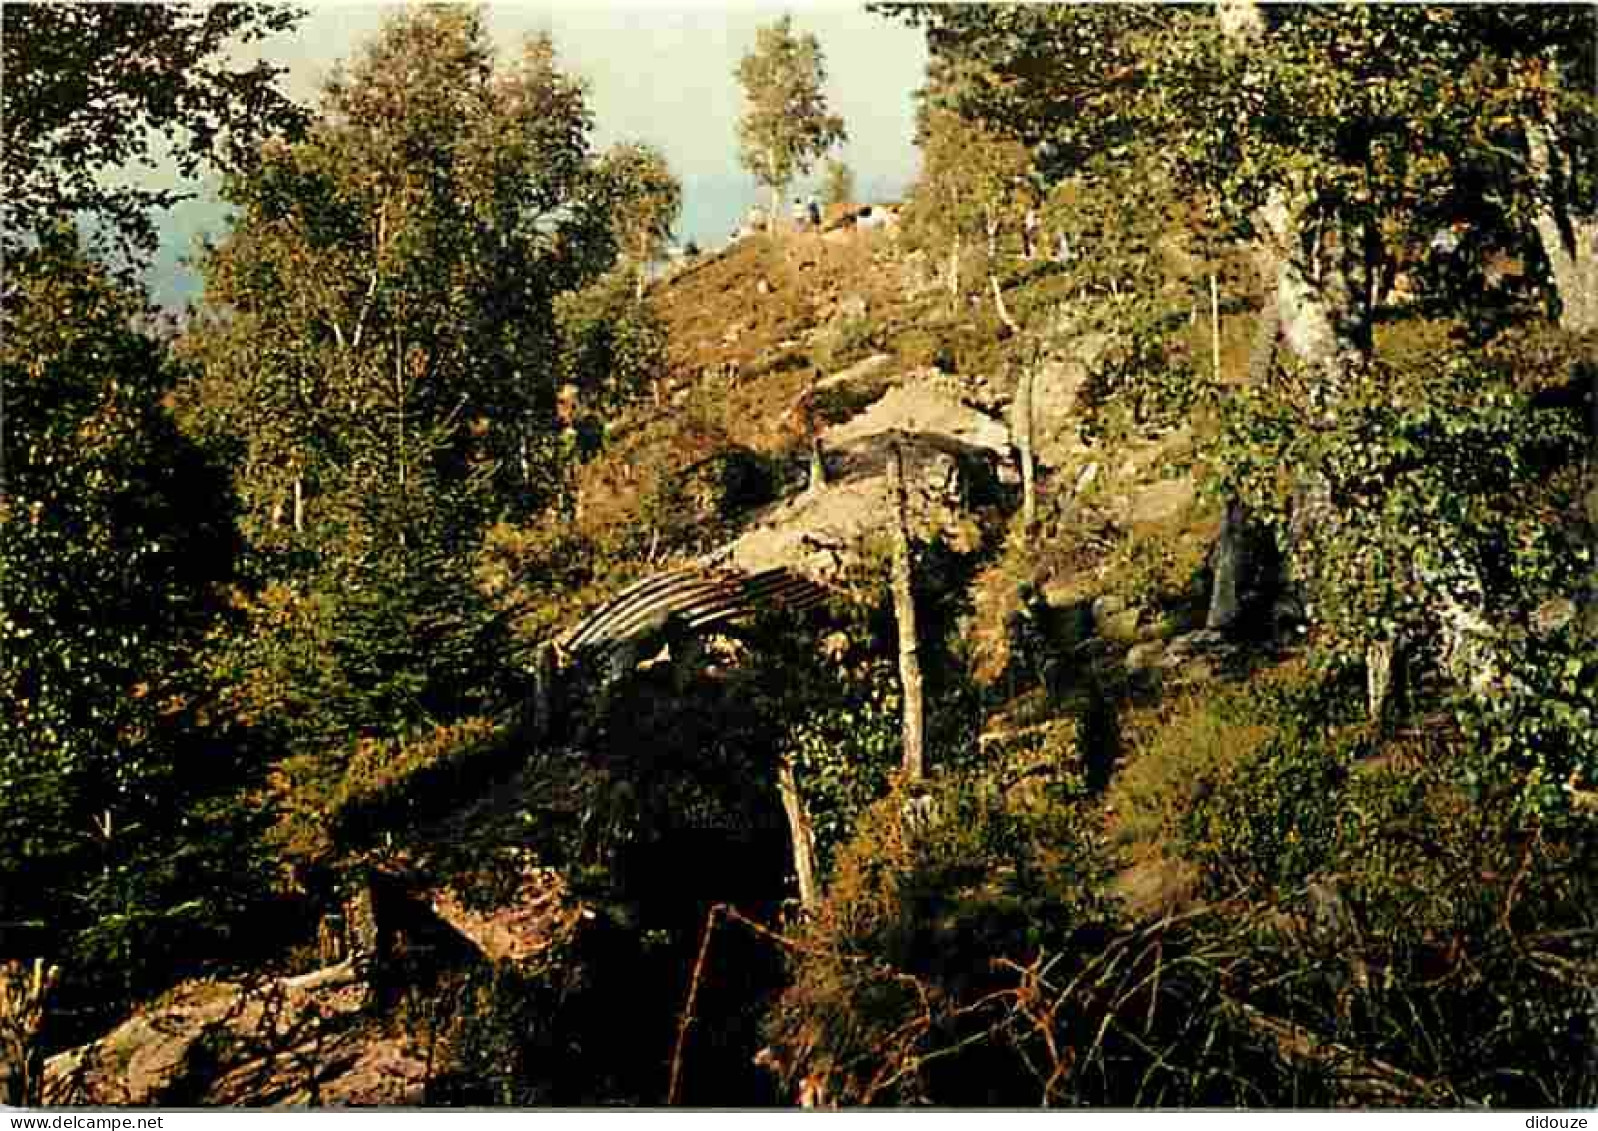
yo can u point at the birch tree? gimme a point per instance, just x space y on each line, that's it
378 346
786 124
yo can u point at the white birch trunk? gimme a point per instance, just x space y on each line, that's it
904 609
801 833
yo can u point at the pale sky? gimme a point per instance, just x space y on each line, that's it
659 71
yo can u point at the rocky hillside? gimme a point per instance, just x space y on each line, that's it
502 907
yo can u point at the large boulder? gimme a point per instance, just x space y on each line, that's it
539 918
926 404
953 454
821 533
1162 501
1056 390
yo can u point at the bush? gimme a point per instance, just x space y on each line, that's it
1153 796
886 1003
845 341
612 346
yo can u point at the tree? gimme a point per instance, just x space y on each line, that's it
1323 138
786 124
612 347
380 353
124 842
648 201
387 290
116 539
839 183
90 88
970 183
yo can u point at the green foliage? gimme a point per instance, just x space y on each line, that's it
846 341
888 1001
647 202
385 296
845 753
1266 825
380 355
1444 479
117 538
786 124
1408 114
1442 939
972 181
326 805
612 348
89 90
1192 749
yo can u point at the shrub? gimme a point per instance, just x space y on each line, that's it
845 341
328 801
1180 763
612 346
886 1003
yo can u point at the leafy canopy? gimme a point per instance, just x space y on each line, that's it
93 91
786 124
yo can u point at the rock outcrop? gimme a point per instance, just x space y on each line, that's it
282 1042
954 456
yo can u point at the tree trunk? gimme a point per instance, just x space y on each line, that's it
1590 616
1215 331
299 505
818 465
954 274
24 994
1023 418
1568 239
543 691
800 833
1029 483
905 613
1380 657
1324 301
1324 295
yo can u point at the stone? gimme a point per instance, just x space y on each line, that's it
538 917
820 533
1120 627
1163 629
233 1043
1552 615
1056 435
860 370
1204 639
1058 593
1108 605
852 307
924 404
1146 656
